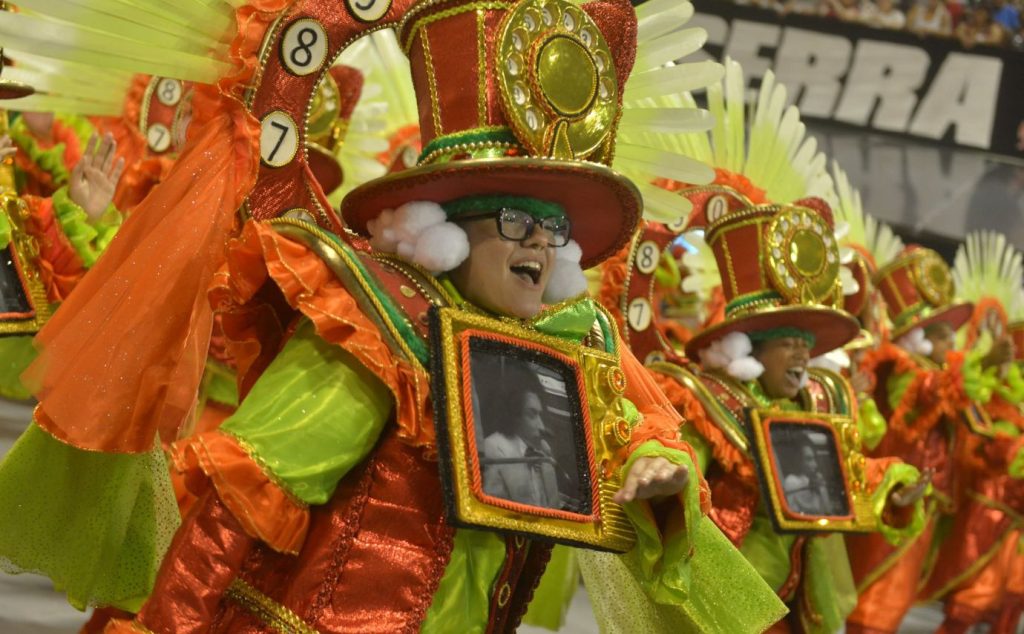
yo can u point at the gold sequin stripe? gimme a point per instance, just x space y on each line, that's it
418 20
268 611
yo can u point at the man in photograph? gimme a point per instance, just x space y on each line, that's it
518 463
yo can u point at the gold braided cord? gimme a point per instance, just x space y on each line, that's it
270 612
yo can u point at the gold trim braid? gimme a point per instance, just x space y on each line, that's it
268 611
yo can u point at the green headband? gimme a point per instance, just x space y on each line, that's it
533 206
778 333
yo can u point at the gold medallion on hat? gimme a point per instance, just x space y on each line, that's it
557 79
932 278
802 256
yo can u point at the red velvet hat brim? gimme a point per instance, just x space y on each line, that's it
831 328
955 315
603 206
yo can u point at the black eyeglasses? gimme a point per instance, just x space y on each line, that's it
517 225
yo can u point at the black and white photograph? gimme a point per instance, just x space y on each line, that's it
12 295
528 426
808 469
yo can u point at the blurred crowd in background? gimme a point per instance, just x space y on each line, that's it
972 22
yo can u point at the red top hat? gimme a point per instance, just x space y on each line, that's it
780 269
335 100
918 290
518 99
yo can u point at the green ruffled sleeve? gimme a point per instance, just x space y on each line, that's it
98 524
663 560
896 386
1012 386
1016 468
871 423
979 384
699 444
51 160
897 475
314 414
89 239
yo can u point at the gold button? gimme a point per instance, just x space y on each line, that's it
405 290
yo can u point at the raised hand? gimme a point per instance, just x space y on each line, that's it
650 478
94 179
907 495
7 149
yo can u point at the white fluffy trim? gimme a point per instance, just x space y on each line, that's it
419 231
837 360
567 279
915 342
732 354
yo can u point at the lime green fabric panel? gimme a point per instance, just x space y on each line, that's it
727 595
462 601
220 384
555 591
768 551
897 385
102 522
897 475
314 414
871 424
828 582
89 239
16 353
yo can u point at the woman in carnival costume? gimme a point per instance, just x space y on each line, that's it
716 411
969 574
1007 617
921 385
314 514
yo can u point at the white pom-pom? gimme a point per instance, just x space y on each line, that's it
834 361
804 378
567 279
571 252
736 345
732 354
441 248
745 368
419 231
915 342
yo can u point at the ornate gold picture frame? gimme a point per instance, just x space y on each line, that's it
529 428
812 480
23 304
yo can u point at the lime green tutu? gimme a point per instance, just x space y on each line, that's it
97 524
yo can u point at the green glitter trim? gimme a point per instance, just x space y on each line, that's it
492 135
785 331
753 298
493 202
